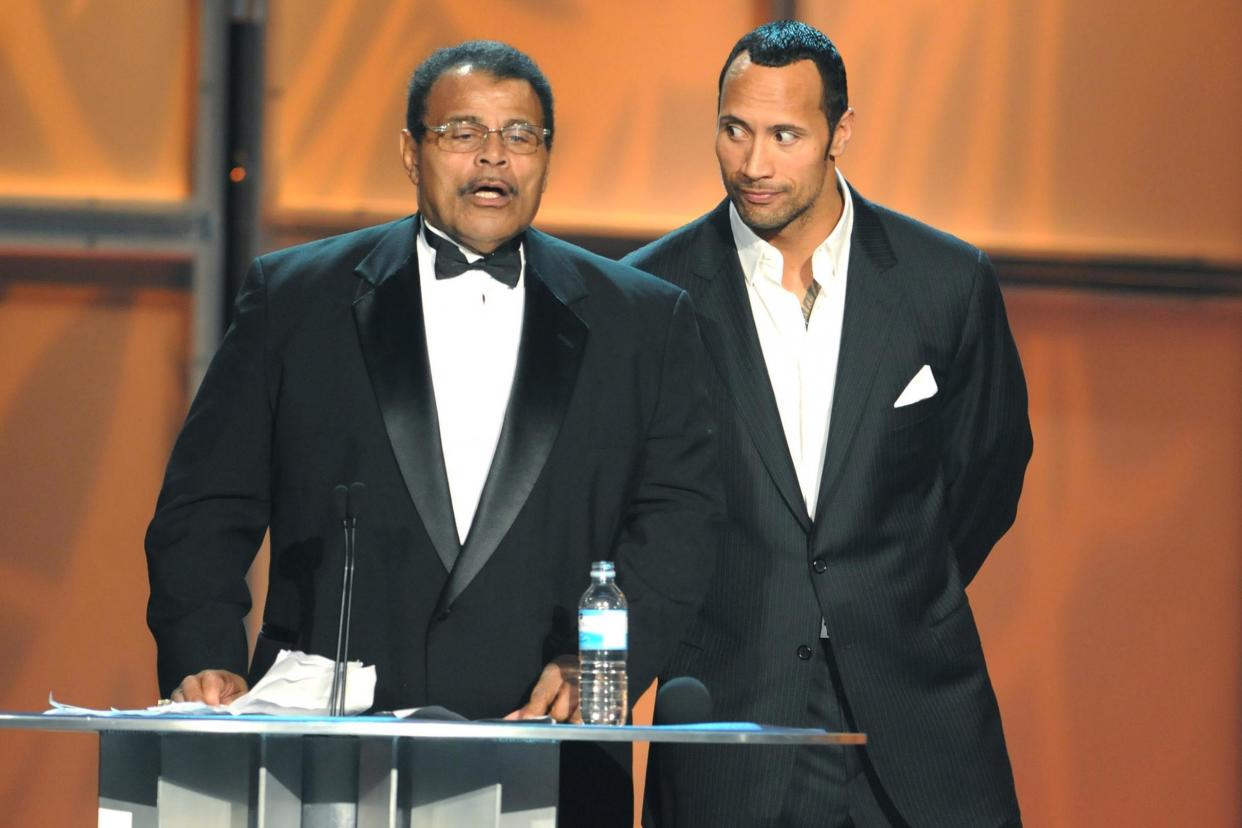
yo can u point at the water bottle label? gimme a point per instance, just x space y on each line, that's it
601 629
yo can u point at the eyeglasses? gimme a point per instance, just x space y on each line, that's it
468 136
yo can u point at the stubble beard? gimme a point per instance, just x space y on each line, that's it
768 221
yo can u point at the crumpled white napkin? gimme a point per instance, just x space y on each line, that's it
299 684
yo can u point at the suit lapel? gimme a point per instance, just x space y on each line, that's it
388 314
552 343
730 336
869 302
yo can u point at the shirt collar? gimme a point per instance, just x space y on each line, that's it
428 227
430 252
752 250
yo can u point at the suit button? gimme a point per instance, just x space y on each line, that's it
819 565
804 652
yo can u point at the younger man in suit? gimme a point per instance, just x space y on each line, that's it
874 437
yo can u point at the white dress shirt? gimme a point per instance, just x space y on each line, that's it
474 325
801 358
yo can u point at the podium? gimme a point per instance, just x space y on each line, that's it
265 771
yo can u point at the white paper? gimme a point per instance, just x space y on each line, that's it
297 685
301 685
178 708
112 818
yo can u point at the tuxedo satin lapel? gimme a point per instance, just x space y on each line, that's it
389 317
729 335
549 354
869 302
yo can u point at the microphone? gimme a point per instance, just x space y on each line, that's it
341 497
683 700
349 500
357 498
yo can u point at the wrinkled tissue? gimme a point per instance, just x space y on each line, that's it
299 684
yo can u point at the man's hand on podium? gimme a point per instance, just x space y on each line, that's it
555 694
210 687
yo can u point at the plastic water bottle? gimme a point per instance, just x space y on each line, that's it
602 630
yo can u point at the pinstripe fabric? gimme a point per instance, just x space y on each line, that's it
911 501
817 792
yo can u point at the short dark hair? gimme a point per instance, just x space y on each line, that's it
783 42
493 57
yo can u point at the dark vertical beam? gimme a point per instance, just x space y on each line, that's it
207 203
783 9
244 157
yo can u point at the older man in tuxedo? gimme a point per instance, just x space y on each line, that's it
516 406
874 437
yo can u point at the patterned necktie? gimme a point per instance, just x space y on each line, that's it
504 264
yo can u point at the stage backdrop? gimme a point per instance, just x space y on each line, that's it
1112 613
1064 126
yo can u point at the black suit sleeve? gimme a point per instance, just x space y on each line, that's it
213 508
985 427
666 549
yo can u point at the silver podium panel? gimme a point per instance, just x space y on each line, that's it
265 771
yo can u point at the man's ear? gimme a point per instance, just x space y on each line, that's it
841 135
409 156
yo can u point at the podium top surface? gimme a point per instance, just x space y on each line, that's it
387 727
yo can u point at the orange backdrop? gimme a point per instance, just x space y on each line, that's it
95 99
91 392
1111 613
1067 125
1063 125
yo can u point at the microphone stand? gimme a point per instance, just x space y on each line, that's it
348 503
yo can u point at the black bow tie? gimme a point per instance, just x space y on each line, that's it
504 264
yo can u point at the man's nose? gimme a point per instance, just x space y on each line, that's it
757 161
493 152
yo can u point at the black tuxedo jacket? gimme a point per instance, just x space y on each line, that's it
911 501
606 452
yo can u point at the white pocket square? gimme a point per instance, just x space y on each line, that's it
920 388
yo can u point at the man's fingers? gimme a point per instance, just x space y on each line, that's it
566 702
545 697
190 690
210 687
230 686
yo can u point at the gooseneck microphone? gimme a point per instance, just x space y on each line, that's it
349 500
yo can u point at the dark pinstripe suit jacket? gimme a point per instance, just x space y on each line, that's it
911 501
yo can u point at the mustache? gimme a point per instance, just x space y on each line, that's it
740 182
474 185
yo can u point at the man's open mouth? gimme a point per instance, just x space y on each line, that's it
489 190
